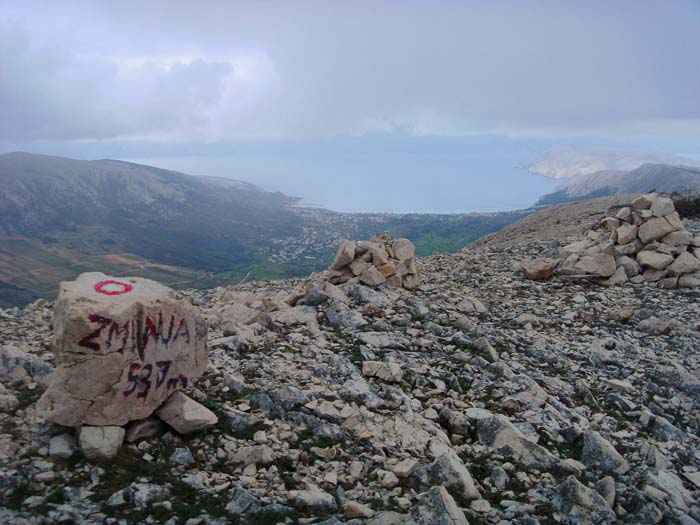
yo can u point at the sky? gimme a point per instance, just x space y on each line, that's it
172 79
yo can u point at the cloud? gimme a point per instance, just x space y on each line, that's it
230 70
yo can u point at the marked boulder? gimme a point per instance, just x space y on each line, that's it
122 346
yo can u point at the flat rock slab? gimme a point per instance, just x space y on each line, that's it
122 346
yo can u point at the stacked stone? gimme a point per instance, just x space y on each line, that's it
375 262
124 349
644 242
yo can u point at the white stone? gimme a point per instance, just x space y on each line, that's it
62 446
601 264
662 206
684 263
644 202
403 249
655 229
679 238
101 442
405 468
626 233
122 346
186 415
353 509
386 371
655 260
344 255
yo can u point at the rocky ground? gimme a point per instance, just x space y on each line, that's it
478 397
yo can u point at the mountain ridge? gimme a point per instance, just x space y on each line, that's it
648 177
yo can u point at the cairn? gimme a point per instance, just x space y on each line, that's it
377 261
644 242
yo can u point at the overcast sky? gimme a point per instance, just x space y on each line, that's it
226 71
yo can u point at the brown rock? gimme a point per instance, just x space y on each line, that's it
539 269
372 277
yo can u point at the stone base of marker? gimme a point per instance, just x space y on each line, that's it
122 347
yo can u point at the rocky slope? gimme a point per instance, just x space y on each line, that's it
477 397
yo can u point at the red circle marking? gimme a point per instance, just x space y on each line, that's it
110 287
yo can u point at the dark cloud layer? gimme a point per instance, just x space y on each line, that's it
232 70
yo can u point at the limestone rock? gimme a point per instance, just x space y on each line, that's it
449 471
62 446
353 509
581 505
662 206
312 498
403 249
101 442
626 233
539 269
186 415
684 263
372 277
643 202
598 452
655 260
122 347
344 255
21 368
601 264
390 372
437 507
655 229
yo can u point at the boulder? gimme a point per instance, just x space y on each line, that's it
403 249
655 229
582 506
449 471
689 280
601 264
539 269
662 206
122 346
18 367
101 442
62 446
654 260
626 233
386 371
619 277
344 255
185 415
436 507
372 277
387 269
684 263
643 202
599 453
678 238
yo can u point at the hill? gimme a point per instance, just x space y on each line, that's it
570 163
649 177
60 217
